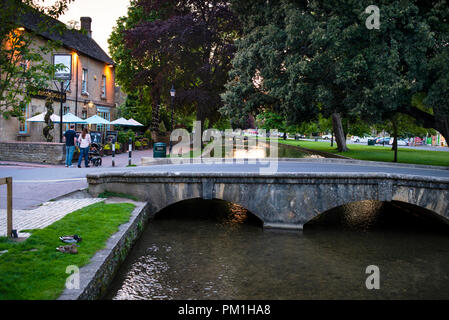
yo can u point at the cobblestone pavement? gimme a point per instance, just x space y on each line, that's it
44 215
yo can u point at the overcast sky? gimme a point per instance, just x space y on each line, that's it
104 14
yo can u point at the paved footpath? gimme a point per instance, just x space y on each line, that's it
44 215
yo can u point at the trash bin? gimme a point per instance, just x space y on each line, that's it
371 142
159 150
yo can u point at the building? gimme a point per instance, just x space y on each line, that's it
90 91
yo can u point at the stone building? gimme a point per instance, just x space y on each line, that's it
90 91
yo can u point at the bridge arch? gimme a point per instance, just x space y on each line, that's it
367 214
209 209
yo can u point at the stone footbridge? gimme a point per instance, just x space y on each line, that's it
280 200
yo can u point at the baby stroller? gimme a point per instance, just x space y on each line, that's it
94 154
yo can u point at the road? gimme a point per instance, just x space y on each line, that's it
33 186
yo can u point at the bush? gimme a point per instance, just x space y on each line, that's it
138 144
162 128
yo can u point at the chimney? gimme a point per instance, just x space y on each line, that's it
86 25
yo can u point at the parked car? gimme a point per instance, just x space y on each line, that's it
363 139
401 142
326 137
383 140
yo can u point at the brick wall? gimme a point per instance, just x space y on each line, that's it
39 152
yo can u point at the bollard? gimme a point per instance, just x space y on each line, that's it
130 151
113 153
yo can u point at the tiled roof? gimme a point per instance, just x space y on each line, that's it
71 38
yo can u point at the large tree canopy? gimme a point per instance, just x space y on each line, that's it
188 44
305 58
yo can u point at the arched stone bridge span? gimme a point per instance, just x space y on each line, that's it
281 200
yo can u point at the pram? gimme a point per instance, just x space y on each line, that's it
94 154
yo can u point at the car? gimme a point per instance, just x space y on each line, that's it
326 137
401 142
363 139
383 140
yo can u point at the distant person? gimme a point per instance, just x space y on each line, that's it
70 142
84 141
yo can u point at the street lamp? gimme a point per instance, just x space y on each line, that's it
172 94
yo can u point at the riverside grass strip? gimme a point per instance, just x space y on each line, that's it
378 153
34 270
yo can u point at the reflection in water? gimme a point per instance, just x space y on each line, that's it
215 250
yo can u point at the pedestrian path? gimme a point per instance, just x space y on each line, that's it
44 215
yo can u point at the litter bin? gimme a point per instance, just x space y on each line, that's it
371 142
159 150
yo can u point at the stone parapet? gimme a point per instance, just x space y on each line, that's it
38 152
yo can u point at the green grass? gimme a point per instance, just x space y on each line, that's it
41 274
378 153
109 194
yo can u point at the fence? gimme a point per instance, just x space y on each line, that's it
8 182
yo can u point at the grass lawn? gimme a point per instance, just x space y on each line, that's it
378 153
34 269
109 194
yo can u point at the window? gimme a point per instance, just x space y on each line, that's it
105 113
84 114
67 85
84 82
103 87
22 123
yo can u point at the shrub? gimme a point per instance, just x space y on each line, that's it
138 144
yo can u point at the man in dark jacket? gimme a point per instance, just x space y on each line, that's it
70 141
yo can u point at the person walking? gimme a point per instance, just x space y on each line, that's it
85 141
70 141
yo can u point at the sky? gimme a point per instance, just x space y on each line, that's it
104 14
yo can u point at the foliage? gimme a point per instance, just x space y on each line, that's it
187 43
162 128
138 144
305 58
34 270
22 65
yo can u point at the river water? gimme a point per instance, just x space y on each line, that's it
201 249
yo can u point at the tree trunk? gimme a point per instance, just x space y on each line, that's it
155 120
395 141
340 137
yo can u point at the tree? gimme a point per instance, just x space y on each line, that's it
280 65
303 58
23 69
188 44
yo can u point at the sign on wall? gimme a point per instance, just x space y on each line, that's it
52 94
66 61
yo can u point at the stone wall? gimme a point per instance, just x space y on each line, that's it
39 152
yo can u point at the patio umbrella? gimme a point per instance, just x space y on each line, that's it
71 118
122 122
40 118
97 120
135 123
